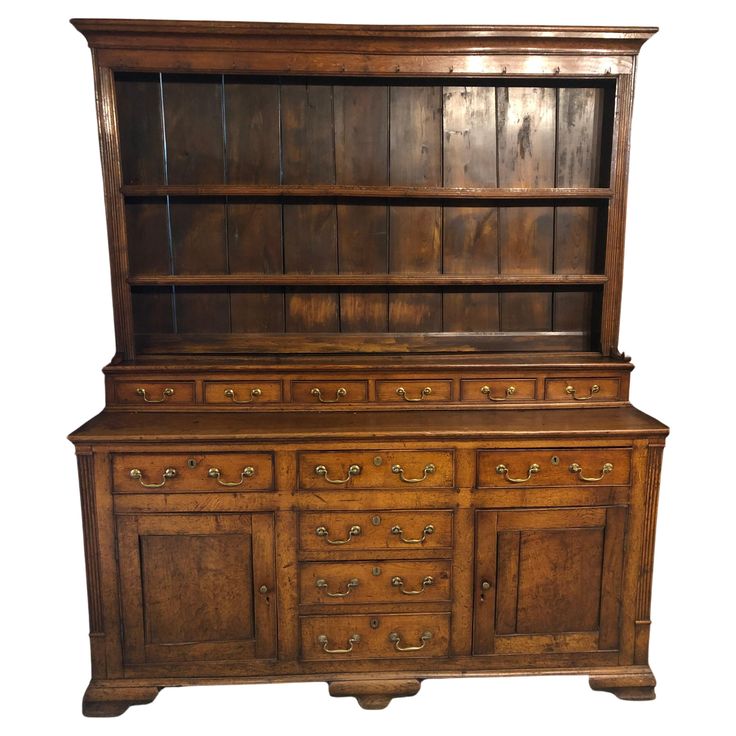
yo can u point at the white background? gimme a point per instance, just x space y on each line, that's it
677 321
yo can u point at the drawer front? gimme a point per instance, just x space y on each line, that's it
393 636
180 473
384 581
329 392
369 469
549 467
154 393
242 393
431 390
582 389
335 531
498 390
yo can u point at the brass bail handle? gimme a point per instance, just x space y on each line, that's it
398 582
322 584
164 395
503 470
428 470
507 394
426 391
395 639
324 641
168 474
255 393
399 532
339 394
322 531
353 470
572 391
605 470
247 472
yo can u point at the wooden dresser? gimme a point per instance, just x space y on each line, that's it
367 422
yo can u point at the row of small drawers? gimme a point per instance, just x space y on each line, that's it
414 391
369 470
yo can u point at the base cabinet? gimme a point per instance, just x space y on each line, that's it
506 559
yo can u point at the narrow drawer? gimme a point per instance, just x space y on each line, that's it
582 389
415 391
548 467
187 473
368 469
154 393
329 392
393 636
245 393
498 390
375 530
382 581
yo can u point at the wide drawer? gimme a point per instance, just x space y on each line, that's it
582 389
415 391
393 636
154 393
550 467
390 469
351 530
498 390
237 393
380 581
187 473
329 392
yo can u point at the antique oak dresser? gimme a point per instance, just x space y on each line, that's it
367 422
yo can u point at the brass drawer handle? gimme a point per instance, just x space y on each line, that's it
398 582
322 531
502 469
164 395
352 471
594 389
254 394
324 641
247 472
508 393
426 391
350 585
339 394
399 532
395 639
428 470
605 470
168 474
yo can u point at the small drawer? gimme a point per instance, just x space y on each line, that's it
498 390
425 391
329 392
547 468
154 393
369 469
191 473
335 531
393 636
582 389
246 393
384 581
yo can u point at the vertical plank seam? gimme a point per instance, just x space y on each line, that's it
169 230
226 203
499 209
279 81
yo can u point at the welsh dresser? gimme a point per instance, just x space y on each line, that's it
367 422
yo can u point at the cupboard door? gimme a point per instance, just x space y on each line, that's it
191 587
548 580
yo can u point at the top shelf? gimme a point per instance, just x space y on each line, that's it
365 192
